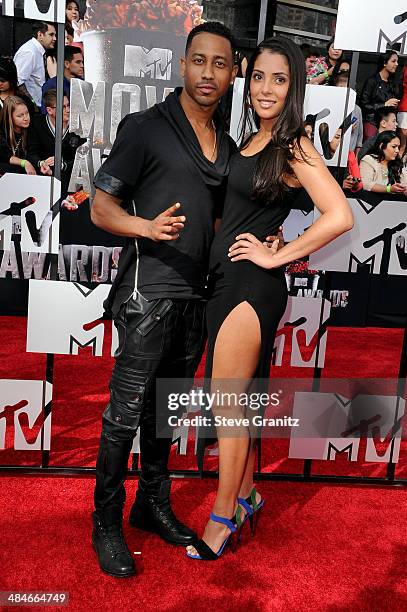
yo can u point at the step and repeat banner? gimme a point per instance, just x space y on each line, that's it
132 55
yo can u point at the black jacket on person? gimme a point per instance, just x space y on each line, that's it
41 145
6 153
375 94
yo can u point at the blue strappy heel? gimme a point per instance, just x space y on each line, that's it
252 509
205 553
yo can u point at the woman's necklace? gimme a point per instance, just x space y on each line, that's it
385 171
18 142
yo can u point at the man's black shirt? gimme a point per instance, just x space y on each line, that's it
151 167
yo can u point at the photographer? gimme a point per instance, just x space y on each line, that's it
41 148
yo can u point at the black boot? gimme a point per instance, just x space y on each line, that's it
111 548
152 512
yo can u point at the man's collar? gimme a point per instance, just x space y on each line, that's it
38 45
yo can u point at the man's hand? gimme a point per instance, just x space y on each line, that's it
275 242
165 226
50 161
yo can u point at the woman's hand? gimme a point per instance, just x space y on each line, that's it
248 247
398 188
29 168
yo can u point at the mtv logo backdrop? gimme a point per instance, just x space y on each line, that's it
22 404
54 13
332 108
378 238
301 322
296 223
330 424
369 25
64 318
28 207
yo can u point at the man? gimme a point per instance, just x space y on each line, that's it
41 140
29 60
73 69
385 120
170 162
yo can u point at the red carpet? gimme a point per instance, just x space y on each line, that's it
319 548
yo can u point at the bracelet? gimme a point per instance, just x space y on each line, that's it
41 163
23 163
388 189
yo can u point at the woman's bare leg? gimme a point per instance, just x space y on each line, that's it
236 356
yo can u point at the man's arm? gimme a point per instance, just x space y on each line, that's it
107 213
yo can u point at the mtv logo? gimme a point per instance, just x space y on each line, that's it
6 224
22 404
330 424
55 12
375 239
65 317
30 201
140 63
331 107
296 223
300 322
380 28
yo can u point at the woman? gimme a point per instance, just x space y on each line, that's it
381 169
249 293
321 71
13 137
402 116
8 84
71 12
379 90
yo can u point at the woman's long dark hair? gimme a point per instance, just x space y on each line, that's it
395 166
274 162
327 58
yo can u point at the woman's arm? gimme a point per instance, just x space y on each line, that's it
336 216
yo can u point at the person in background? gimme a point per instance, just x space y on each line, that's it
311 54
340 68
41 147
29 60
72 15
382 169
324 66
73 69
402 116
385 121
71 12
69 32
13 137
8 84
379 90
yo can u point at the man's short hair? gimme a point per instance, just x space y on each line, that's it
211 27
382 113
50 98
70 51
40 26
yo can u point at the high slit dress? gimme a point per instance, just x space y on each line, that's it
231 283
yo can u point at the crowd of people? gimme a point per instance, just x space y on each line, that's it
28 100
376 162
377 159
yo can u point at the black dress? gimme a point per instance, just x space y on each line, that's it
231 283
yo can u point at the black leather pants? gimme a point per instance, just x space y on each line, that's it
158 339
